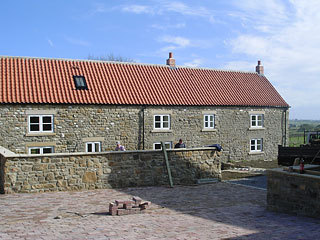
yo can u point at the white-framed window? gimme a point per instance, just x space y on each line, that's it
208 121
158 145
40 150
256 120
256 145
161 122
93 147
40 123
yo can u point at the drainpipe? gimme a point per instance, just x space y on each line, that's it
284 128
143 122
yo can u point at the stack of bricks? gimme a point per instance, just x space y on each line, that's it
125 207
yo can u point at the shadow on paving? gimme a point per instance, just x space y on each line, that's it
230 204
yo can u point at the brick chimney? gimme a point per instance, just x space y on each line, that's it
259 68
171 61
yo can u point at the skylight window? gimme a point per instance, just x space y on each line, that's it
80 82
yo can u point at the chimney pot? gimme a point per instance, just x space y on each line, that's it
171 61
259 68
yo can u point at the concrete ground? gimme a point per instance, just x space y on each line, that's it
212 211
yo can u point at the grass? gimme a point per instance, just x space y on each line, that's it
296 140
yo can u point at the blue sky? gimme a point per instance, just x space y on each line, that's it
219 34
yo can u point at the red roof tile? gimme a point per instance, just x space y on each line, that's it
39 80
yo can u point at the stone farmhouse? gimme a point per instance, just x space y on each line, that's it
64 105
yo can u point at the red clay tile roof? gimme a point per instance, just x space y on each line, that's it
39 80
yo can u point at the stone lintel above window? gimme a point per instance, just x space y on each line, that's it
41 112
209 112
93 139
257 112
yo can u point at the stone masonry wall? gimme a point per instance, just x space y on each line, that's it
293 193
78 171
74 125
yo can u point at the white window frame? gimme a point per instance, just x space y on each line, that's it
41 150
161 121
256 123
256 145
209 121
93 146
40 124
159 143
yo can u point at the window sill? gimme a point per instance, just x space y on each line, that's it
40 134
255 153
208 130
256 128
161 131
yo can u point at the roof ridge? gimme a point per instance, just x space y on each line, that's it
128 63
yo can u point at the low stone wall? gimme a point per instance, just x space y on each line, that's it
78 171
292 192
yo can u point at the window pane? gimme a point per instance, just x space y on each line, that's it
211 124
97 147
206 118
46 120
157 118
253 117
35 151
259 117
165 125
34 119
211 118
34 128
206 124
157 146
253 142
47 150
80 81
89 147
157 125
168 145
46 127
165 118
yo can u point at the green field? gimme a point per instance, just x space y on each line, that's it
296 129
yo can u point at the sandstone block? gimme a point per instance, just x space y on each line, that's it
89 177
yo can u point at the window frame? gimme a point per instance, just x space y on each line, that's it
156 143
40 149
161 121
255 145
256 121
93 148
83 79
209 121
40 116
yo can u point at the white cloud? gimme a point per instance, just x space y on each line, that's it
161 7
50 42
180 42
138 9
194 63
285 37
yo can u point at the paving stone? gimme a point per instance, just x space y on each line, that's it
211 211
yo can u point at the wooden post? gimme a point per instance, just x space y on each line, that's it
164 150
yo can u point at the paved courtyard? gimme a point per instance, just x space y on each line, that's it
212 211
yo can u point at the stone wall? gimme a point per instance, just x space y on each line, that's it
74 125
295 193
78 171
